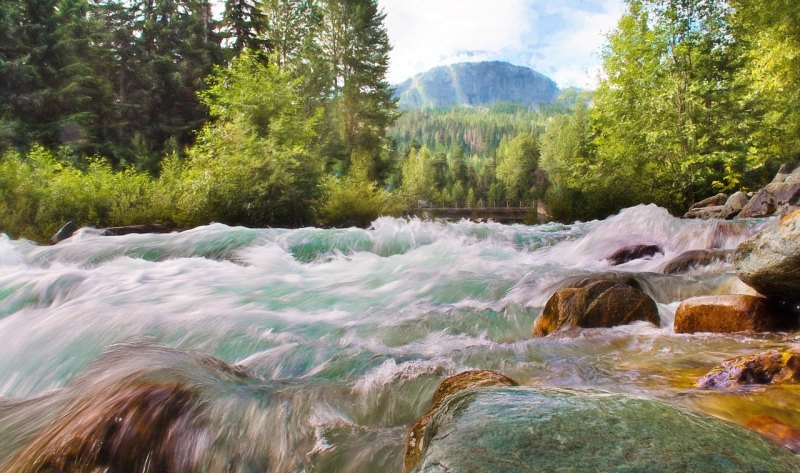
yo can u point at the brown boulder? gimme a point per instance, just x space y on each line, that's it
728 314
689 259
778 195
769 261
762 204
596 302
770 367
419 433
633 252
125 431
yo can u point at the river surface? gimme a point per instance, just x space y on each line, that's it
315 349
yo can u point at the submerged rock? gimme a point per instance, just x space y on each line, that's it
633 252
776 430
769 261
599 301
728 314
693 258
525 429
418 435
770 367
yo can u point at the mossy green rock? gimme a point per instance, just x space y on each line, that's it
525 429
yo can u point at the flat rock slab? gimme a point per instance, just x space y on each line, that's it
525 429
729 314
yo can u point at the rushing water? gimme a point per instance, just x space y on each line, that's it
314 349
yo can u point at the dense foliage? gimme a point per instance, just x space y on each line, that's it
277 112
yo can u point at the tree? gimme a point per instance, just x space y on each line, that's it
667 112
418 176
517 162
769 31
354 43
244 25
256 163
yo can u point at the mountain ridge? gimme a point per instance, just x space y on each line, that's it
476 84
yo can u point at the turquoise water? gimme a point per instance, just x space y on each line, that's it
339 336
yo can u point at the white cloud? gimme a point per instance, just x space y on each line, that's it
428 33
560 38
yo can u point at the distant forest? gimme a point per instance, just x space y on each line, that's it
278 113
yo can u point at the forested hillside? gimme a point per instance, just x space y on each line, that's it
275 112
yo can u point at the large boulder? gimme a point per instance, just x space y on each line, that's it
784 172
762 204
734 205
770 367
775 196
596 301
728 314
418 435
527 429
793 177
694 258
769 261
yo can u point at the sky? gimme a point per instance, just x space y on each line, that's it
562 39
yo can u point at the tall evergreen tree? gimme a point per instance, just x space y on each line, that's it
244 25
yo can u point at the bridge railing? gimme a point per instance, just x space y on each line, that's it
480 205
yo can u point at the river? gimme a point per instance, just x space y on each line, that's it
315 349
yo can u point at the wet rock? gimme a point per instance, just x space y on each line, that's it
769 367
601 301
128 431
729 314
776 430
694 258
131 229
734 205
525 429
769 261
633 252
718 199
417 436
64 232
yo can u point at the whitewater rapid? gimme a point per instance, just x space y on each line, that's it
315 349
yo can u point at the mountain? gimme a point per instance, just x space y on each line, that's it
476 84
